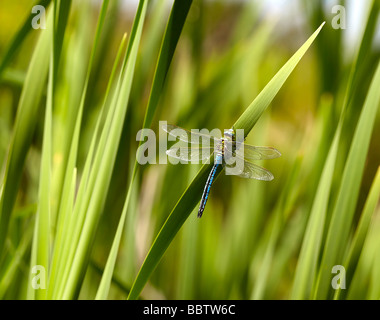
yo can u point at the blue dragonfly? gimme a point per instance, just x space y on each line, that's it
226 148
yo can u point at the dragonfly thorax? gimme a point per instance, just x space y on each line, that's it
221 149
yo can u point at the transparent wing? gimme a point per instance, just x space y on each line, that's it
190 154
188 136
252 171
252 152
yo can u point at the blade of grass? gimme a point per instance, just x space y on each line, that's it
10 272
62 12
173 30
104 162
65 230
254 111
267 259
374 289
75 138
307 261
58 252
61 17
360 285
19 38
105 282
26 119
76 219
273 232
344 208
365 46
115 280
83 197
43 209
31 292
70 86
361 232
192 194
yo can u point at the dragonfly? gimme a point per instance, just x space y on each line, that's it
203 146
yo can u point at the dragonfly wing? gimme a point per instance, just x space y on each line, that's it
190 154
189 136
252 171
252 152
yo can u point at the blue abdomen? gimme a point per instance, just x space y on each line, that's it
210 180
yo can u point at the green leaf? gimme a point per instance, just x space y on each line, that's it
62 11
273 233
173 30
361 232
67 223
374 288
344 208
26 120
363 283
307 261
193 193
104 161
43 210
106 280
75 220
19 38
254 111
8 277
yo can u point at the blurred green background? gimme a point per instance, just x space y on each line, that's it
247 244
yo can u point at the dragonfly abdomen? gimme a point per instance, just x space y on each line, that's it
207 188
